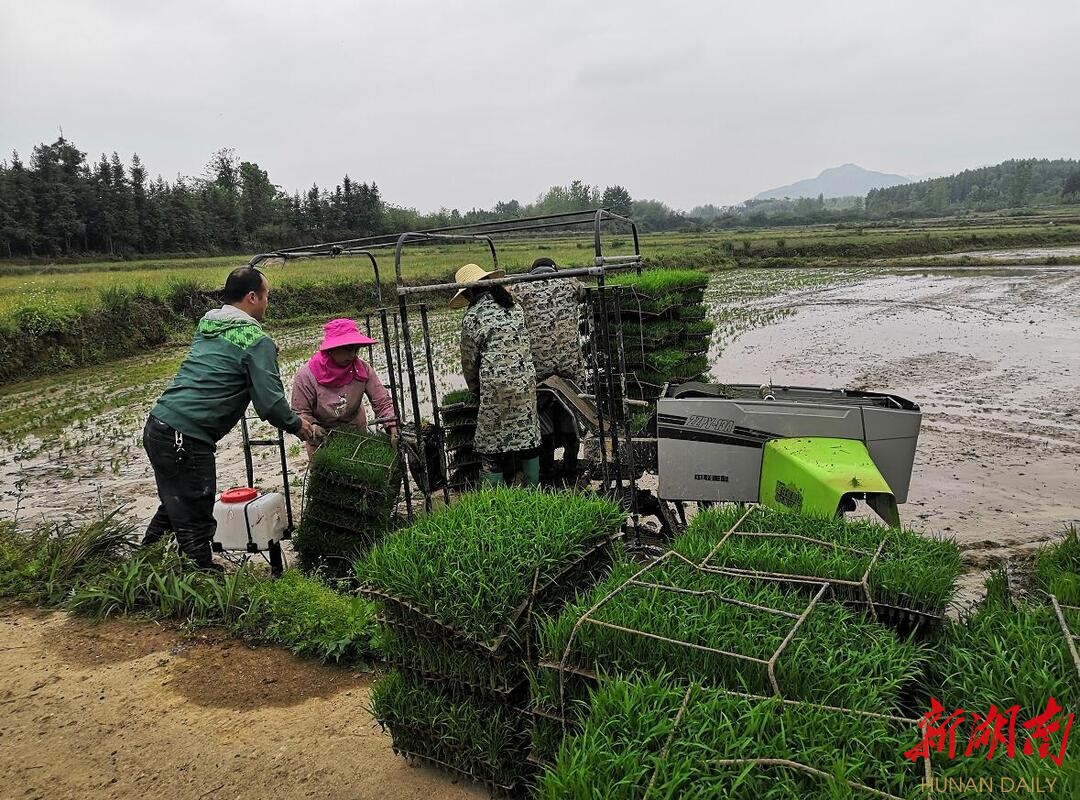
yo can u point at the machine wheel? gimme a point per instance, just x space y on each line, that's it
276 564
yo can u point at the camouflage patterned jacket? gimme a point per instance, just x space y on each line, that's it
552 309
496 362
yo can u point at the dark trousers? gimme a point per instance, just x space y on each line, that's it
186 476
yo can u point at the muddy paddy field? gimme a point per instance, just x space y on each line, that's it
992 354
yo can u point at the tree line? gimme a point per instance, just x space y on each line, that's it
60 204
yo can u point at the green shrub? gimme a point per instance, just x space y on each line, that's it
309 618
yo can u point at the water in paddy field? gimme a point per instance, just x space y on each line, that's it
991 354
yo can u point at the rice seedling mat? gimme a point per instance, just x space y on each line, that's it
1070 638
862 584
565 667
766 763
404 613
855 592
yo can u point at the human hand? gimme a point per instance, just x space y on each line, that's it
306 432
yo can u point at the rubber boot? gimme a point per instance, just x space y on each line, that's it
491 478
531 468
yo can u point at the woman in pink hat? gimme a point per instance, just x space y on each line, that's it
329 389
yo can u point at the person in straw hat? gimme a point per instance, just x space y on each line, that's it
496 360
329 389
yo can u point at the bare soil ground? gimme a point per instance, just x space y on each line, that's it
127 708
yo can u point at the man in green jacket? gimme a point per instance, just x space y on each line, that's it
232 362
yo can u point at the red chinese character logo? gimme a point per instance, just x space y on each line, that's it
987 732
936 732
1042 726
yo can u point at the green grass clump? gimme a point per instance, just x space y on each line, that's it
836 657
311 619
471 565
154 582
914 571
44 564
480 739
329 548
1057 569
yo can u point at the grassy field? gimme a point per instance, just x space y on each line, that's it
57 316
80 284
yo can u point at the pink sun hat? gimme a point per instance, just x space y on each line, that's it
343 333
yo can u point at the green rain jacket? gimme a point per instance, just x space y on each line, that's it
232 362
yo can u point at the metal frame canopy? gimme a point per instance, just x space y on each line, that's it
607 377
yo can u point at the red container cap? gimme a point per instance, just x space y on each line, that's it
239 494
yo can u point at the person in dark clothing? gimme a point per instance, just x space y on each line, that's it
232 362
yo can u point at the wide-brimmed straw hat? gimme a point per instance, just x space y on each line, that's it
471 273
343 333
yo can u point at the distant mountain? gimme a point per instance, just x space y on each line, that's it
843 181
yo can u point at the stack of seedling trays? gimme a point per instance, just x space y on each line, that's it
664 327
684 617
458 411
459 591
350 494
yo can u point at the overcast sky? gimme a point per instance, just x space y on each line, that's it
461 104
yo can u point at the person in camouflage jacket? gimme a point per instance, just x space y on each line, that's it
496 361
552 309
552 313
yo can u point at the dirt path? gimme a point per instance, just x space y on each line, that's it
127 709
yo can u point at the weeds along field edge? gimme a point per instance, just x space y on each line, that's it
93 569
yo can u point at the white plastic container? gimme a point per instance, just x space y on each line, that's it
249 521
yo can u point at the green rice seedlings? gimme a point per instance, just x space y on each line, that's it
639 422
365 460
1057 569
667 361
688 369
458 397
692 312
659 281
331 549
471 567
418 654
309 618
1004 654
913 572
698 328
635 303
836 656
482 740
658 740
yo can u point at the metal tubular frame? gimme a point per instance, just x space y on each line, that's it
1066 631
483 233
785 762
564 667
401 366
